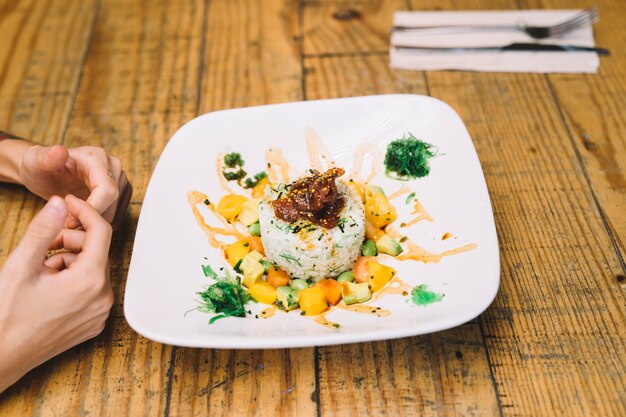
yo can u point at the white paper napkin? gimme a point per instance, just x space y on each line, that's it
509 61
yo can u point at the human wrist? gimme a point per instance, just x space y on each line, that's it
12 149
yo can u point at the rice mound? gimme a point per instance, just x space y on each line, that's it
309 251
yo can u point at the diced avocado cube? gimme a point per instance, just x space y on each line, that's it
286 298
252 269
266 264
249 213
388 245
355 293
371 189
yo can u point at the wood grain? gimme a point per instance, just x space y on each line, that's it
126 74
41 49
420 375
137 87
594 107
553 331
336 27
562 301
252 56
140 81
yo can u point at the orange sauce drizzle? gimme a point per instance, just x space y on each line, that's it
194 198
319 157
359 156
276 158
421 212
267 313
321 319
219 166
417 253
395 287
365 309
402 190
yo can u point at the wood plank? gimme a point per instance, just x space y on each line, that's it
251 58
559 315
594 107
339 27
439 374
554 328
347 76
251 55
41 51
140 82
401 376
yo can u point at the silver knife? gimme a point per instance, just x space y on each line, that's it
510 47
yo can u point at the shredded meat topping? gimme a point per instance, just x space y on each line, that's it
314 198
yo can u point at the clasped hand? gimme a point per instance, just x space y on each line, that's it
55 290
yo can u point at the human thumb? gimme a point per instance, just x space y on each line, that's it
45 158
41 232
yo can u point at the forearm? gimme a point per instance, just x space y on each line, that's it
11 150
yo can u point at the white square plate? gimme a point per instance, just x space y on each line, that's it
165 271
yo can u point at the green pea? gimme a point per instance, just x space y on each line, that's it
369 248
255 229
299 284
347 276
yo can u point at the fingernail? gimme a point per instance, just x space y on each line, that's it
57 204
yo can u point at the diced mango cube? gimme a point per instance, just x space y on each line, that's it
332 290
379 275
263 292
379 211
230 206
237 251
312 301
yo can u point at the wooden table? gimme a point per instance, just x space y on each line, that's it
125 74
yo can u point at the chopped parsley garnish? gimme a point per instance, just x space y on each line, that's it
407 158
226 297
208 272
234 175
233 159
252 182
409 198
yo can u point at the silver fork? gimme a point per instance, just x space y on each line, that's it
589 15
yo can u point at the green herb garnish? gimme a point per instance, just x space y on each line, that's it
233 159
234 175
409 198
226 297
407 158
252 182
208 271
421 295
